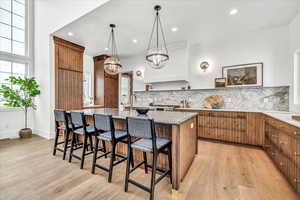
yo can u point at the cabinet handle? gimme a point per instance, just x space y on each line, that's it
296 180
281 142
295 133
296 154
281 163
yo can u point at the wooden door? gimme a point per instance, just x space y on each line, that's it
68 75
99 79
111 91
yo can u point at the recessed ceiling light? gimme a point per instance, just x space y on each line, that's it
105 49
70 34
233 11
174 29
134 41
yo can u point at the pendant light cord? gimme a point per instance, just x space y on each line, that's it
157 23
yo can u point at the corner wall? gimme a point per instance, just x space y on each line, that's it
50 15
294 46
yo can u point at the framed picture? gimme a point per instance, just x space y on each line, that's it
220 83
244 75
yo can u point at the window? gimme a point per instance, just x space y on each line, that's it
13 26
8 69
15 39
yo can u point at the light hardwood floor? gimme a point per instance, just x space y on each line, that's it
28 171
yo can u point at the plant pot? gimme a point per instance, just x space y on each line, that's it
25 133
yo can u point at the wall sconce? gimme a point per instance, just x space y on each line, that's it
204 66
138 73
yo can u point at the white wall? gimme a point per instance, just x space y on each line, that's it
268 46
12 120
50 15
294 46
88 75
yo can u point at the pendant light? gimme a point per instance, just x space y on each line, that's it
157 52
112 64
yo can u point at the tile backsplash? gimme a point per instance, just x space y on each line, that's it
251 98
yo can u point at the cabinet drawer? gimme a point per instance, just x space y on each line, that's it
284 127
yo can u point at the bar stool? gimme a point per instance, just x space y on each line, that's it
105 130
62 124
148 142
78 119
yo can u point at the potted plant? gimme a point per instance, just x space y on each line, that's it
21 94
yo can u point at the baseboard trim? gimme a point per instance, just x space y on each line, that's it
9 134
42 133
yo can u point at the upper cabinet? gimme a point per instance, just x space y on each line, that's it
175 70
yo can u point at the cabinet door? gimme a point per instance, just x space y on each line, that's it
296 153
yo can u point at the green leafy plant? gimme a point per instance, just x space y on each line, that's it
21 94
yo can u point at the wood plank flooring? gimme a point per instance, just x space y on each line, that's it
28 171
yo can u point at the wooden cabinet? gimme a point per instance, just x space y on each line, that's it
236 127
282 144
106 87
68 75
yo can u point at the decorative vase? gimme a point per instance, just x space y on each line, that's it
25 133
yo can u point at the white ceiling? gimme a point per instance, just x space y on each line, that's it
197 21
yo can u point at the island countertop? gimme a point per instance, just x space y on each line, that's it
162 117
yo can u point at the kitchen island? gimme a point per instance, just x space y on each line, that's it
179 127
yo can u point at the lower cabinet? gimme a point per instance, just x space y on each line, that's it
237 127
282 144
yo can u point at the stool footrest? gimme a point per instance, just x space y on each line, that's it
102 155
101 167
158 169
59 149
119 161
137 166
139 185
77 157
162 176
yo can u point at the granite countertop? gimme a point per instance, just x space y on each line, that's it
220 110
284 117
280 115
162 117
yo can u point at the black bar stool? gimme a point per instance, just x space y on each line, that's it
78 119
148 142
105 130
62 124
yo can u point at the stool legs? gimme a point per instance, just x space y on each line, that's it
128 168
83 151
55 141
152 187
72 146
66 144
113 157
95 155
145 162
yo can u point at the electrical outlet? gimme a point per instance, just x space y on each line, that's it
266 100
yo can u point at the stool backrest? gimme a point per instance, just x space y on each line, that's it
60 115
77 119
103 122
140 127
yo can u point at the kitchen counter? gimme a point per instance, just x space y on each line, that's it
280 115
179 127
162 117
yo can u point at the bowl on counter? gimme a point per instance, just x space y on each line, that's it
142 111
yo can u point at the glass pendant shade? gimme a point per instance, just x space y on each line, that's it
112 64
157 58
157 53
